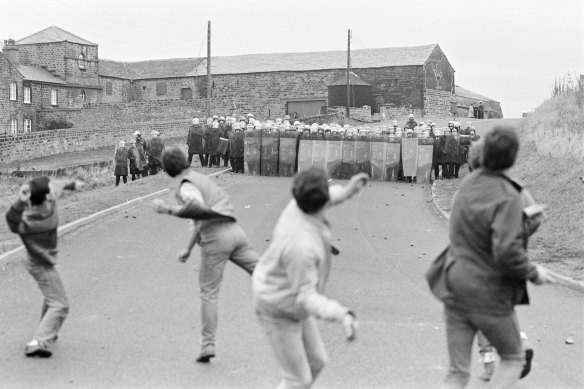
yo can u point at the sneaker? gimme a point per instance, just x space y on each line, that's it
488 366
34 348
527 366
207 352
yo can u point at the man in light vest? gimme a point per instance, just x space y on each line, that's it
215 229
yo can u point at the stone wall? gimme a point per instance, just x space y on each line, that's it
42 143
437 103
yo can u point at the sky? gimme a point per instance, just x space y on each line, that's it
508 50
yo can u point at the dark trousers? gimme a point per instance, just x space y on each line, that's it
238 165
154 166
124 178
215 160
456 169
201 158
135 176
225 159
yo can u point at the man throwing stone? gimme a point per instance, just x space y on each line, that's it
215 229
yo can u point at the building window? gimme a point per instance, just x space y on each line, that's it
108 88
81 61
186 93
14 126
54 100
27 95
160 88
83 96
27 125
13 91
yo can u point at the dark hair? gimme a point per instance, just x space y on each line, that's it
310 189
174 161
39 188
500 148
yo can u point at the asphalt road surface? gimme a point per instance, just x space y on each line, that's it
134 320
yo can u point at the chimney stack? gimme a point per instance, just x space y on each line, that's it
10 51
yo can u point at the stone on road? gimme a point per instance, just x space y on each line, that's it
135 323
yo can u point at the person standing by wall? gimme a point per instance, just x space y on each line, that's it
142 147
290 278
488 265
156 147
481 110
134 156
34 217
121 157
215 229
195 140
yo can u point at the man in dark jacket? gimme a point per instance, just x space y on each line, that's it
411 123
488 265
195 142
155 149
481 110
33 216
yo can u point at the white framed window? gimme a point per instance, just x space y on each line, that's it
27 125
13 89
83 96
13 126
26 95
81 61
54 100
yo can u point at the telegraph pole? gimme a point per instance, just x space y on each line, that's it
348 109
209 82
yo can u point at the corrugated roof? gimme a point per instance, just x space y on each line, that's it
35 73
262 63
353 80
53 34
460 91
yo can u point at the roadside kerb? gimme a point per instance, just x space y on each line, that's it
559 279
8 256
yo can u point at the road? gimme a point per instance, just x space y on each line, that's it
134 320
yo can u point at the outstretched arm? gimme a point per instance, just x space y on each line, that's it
339 193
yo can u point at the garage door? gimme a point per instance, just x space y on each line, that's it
305 108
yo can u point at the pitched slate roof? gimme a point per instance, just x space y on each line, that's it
462 92
263 63
35 73
160 68
322 60
53 34
353 80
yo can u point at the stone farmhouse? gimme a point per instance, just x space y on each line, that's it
54 76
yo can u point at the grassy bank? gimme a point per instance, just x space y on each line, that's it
550 162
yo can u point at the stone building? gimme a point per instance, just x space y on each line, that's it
57 76
465 98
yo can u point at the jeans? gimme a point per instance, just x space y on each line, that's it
55 306
298 348
220 241
502 331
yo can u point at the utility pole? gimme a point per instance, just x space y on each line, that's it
209 81
348 109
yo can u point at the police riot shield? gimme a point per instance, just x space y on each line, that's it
334 155
319 151
451 149
305 153
363 154
378 147
252 147
392 159
425 155
269 153
348 160
287 155
409 156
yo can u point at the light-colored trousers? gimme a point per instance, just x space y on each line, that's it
298 348
55 306
220 242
